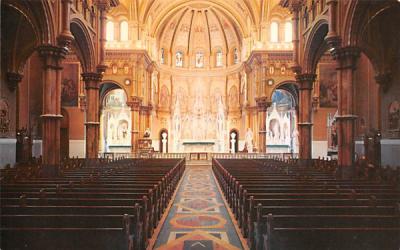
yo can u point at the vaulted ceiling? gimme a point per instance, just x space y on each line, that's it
199 26
246 14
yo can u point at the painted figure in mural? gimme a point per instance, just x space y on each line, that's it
179 59
235 56
394 116
249 140
199 59
244 86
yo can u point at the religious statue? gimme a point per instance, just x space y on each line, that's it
249 140
147 133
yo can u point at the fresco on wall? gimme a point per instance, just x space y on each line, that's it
394 116
164 97
4 117
70 84
328 97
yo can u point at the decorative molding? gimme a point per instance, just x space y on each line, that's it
306 81
384 80
13 79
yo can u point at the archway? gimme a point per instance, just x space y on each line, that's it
281 125
163 141
236 136
115 120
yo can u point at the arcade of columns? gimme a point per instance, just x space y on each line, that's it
346 60
52 56
253 105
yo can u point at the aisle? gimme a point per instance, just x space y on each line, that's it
198 218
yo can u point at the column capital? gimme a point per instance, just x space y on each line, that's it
306 81
295 7
262 103
13 79
52 55
384 80
103 5
346 56
92 80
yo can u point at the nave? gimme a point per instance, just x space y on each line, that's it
173 204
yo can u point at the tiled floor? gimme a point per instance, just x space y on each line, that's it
198 218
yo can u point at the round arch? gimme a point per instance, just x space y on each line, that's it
108 85
32 26
291 87
84 44
315 46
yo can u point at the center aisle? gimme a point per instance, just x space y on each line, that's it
198 218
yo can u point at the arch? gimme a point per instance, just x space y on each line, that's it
315 45
291 87
83 44
110 31
163 130
108 85
288 32
360 17
235 131
31 26
274 32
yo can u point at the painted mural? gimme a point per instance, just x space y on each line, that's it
394 115
70 84
328 85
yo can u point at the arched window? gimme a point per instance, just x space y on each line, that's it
179 59
235 56
219 58
162 56
124 31
199 59
274 32
288 32
110 31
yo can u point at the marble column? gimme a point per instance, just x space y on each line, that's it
65 37
346 59
103 8
52 57
135 104
295 8
262 105
92 81
305 82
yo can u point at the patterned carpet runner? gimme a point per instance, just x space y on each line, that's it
198 218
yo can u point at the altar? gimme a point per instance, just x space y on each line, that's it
198 146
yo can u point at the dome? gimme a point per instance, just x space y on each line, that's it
201 37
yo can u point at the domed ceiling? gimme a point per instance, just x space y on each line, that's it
199 27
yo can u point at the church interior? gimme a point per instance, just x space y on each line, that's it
201 124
